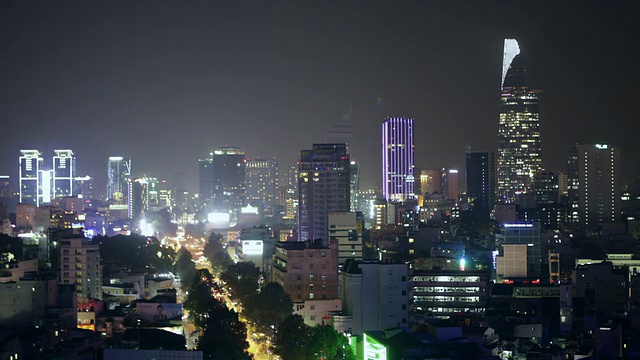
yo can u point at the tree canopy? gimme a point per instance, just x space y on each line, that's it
242 280
297 341
269 307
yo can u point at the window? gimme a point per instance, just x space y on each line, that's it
324 253
404 278
310 276
311 266
310 295
404 292
404 306
312 307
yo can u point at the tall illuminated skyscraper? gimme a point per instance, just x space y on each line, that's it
397 159
323 187
118 176
205 179
229 187
599 184
64 173
29 176
481 189
262 185
519 128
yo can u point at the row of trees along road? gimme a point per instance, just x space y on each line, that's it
270 309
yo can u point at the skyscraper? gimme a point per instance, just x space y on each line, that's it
599 184
205 177
29 176
64 173
480 181
519 129
323 186
339 133
262 185
118 176
397 159
229 166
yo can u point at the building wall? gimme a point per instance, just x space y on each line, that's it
24 301
446 292
16 270
347 228
376 295
513 262
316 312
80 265
307 273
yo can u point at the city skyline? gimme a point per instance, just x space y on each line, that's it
158 96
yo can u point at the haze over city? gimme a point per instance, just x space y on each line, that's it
166 82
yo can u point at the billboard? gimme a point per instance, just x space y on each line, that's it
252 247
158 312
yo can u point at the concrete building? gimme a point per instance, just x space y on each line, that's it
599 184
523 233
306 271
26 300
375 295
323 185
262 184
441 293
80 265
347 228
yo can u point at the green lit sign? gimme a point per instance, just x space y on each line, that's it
373 349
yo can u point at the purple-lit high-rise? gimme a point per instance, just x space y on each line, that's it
397 159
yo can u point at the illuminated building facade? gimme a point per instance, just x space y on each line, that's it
527 234
323 186
229 187
262 185
80 266
430 181
29 176
64 173
446 292
480 180
205 180
118 176
519 128
599 184
397 159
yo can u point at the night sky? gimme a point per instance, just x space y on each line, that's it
164 82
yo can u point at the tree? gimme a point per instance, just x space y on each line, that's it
291 339
224 336
326 343
242 280
268 308
216 253
199 300
185 267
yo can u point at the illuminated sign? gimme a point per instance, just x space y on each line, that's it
91 327
249 210
219 219
373 349
601 146
158 312
518 225
252 247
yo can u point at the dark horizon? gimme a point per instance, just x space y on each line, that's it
165 83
